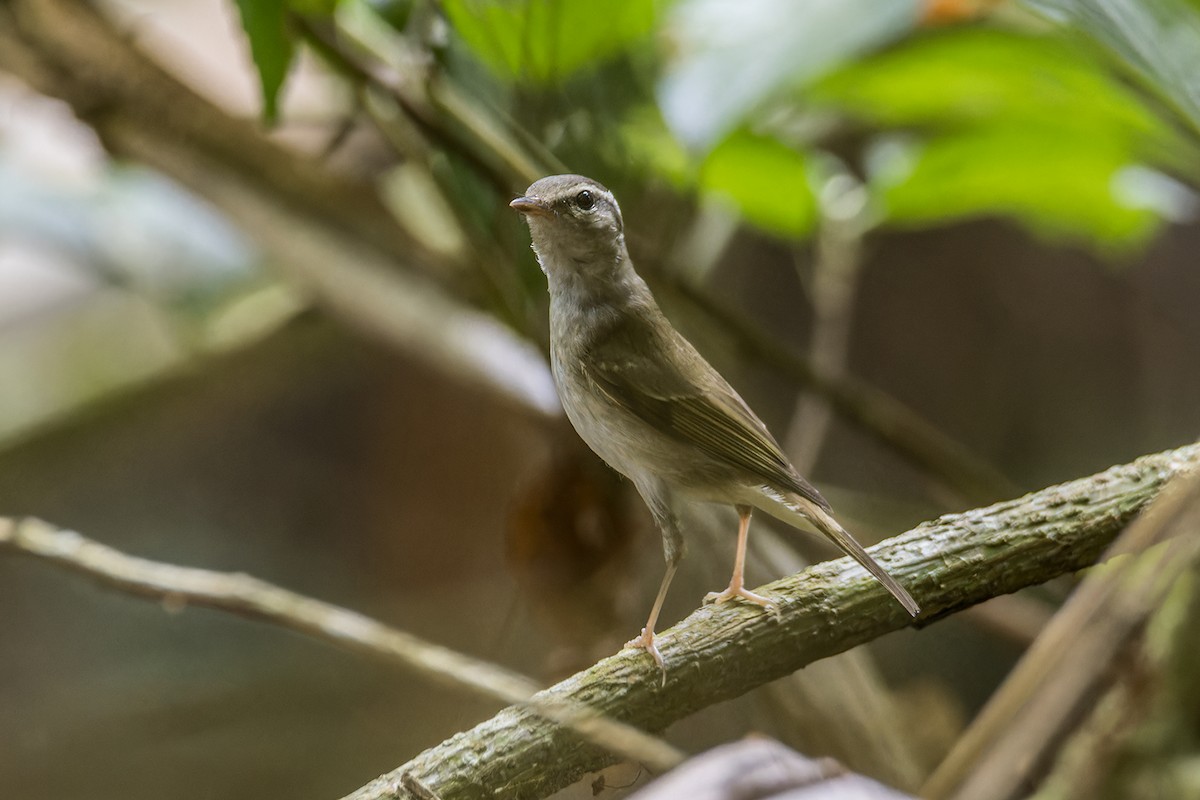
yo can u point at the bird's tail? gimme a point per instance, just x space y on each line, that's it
824 522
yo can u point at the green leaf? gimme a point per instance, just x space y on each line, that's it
547 40
731 58
978 77
765 179
1158 39
271 47
315 8
1054 186
1005 123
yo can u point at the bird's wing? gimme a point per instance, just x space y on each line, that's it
676 391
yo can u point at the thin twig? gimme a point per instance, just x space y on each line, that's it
246 596
845 218
1139 741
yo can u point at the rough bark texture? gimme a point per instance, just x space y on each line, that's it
721 652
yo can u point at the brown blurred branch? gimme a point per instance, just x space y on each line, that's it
889 421
845 218
69 50
1017 736
334 237
246 596
1140 740
719 653
330 235
436 106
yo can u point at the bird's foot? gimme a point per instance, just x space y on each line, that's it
646 642
742 593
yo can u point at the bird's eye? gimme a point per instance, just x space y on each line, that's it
585 200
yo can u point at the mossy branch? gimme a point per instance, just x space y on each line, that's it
715 654
721 652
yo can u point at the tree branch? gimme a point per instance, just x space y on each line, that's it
1015 739
246 596
721 652
715 654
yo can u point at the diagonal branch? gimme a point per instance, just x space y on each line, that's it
719 653
240 594
331 236
715 654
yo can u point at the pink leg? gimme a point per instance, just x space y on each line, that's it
646 639
737 585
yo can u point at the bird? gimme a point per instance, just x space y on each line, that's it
645 400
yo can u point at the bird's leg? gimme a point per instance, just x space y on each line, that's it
658 501
646 639
737 585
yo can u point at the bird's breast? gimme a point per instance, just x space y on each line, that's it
609 430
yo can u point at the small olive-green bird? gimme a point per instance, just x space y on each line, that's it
647 402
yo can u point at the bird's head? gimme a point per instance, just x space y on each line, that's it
575 224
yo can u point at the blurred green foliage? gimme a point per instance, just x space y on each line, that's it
1157 40
1003 122
727 63
1009 116
766 179
544 42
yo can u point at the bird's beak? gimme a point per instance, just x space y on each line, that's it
531 205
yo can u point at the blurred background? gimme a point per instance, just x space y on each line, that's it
264 308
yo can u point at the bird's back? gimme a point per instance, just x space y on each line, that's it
640 394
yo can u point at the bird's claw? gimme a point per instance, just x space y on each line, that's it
646 642
742 593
